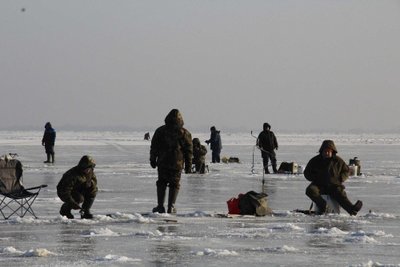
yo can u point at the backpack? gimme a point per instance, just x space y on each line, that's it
288 167
253 203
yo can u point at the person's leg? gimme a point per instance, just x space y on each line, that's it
161 188
338 193
202 167
48 158
66 207
265 164
66 211
49 151
213 156
86 205
174 185
314 193
273 161
218 159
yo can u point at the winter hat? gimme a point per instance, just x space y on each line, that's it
328 144
86 162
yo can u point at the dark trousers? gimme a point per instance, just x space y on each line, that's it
266 155
336 192
170 178
215 156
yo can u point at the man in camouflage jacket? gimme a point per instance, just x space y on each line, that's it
77 185
327 173
171 150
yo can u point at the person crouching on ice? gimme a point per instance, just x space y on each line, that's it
327 173
199 156
78 185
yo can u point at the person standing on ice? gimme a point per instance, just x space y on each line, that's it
327 173
48 141
267 143
78 185
215 145
171 150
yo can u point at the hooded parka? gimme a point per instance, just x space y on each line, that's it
327 176
75 185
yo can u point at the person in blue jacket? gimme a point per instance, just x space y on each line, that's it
215 144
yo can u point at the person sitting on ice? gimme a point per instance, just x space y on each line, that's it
78 185
327 173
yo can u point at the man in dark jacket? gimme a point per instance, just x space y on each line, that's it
77 185
327 173
267 143
171 150
48 141
199 156
215 144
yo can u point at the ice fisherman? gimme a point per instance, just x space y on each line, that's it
199 156
171 151
267 143
48 141
78 185
215 144
327 173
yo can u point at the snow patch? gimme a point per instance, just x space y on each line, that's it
115 258
215 252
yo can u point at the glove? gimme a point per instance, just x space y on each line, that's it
207 142
153 164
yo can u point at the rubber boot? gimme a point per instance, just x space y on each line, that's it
341 197
160 199
85 212
266 170
357 207
274 169
66 211
317 199
172 196
48 159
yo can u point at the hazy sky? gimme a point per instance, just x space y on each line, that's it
329 65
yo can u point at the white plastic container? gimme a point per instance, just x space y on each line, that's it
353 170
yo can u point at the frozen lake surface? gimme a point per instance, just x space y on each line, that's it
198 237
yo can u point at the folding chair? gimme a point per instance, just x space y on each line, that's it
14 198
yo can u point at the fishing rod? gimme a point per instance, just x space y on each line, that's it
260 148
252 166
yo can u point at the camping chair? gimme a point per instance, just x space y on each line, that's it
14 198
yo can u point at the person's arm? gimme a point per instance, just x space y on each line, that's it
154 149
188 151
309 172
344 173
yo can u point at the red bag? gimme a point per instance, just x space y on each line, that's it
233 205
